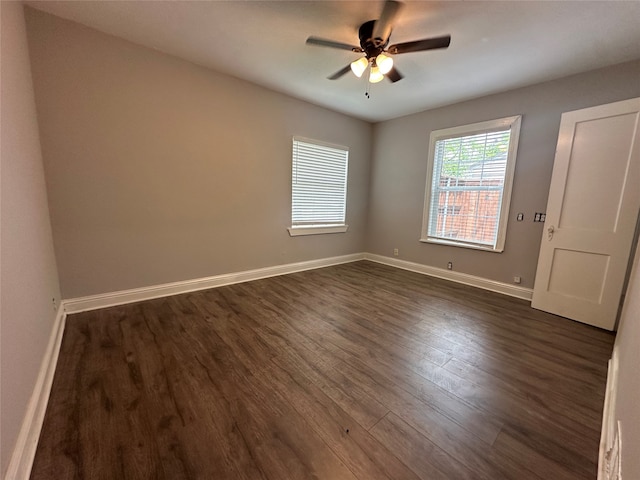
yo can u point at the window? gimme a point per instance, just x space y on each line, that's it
469 178
318 188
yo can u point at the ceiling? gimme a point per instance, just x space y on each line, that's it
495 46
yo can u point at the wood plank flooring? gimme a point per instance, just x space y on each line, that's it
358 371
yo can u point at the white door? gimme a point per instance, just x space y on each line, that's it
591 214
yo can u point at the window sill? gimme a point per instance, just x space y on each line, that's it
298 231
453 243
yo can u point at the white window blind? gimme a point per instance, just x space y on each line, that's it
471 171
319 184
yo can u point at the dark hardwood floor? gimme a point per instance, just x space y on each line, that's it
358 371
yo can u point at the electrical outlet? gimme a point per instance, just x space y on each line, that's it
55 304
517 279
450 265
395 252
520 217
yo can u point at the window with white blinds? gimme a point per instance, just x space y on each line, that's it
318 187
469 183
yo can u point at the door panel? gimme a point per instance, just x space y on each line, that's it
601 159
578 274
592 211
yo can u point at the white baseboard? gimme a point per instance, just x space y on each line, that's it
607 434
94 302
484 283
25 449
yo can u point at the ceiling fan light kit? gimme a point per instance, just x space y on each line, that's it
359 66
374 37
384 63
375 75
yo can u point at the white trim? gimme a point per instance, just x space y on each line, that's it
512 123
297 231
25 449
93 302
464 278
607 434
312 141
452 243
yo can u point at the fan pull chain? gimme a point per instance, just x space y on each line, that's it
366 92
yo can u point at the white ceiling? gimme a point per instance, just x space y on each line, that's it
495 46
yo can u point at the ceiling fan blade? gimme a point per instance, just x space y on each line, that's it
382 27
340 72
420 45
394 75
321 42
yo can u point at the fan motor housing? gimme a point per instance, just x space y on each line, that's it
369 45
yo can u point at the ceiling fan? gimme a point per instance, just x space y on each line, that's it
374 40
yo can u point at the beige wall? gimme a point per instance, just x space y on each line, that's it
29 277
627 408
159 170
398 170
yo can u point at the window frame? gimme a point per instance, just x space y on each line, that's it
319 229
508 123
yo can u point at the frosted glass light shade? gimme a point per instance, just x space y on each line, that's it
376 75
385 63
359 66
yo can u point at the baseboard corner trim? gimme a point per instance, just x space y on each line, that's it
93 302
24 451
458 277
